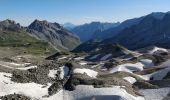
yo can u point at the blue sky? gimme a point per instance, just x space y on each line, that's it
78 11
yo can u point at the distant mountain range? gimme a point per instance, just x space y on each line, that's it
127 23
152 29
69 26
88 31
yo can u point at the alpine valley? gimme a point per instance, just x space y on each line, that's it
127 60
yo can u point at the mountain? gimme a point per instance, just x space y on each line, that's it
150 31
87 31
125 24
134 33
55 34
15 38
69 26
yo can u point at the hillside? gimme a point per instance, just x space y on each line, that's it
150 31
14 36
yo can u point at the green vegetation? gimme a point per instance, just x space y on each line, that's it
24 42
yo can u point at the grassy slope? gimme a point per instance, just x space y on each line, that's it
24 43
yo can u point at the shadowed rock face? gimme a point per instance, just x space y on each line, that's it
54 34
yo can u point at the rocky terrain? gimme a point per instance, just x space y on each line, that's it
110 72
55 34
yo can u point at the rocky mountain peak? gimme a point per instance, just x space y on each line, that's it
9 25
44 25
8 21
53 33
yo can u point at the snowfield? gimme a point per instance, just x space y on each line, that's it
155 94
88 72
58 96
32 90
165 64
37 91
160 74
128 67
89 92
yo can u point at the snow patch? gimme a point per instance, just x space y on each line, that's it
106 57
147 63
52 73
130 79
59 95
16 64
26 68
88 72
32 90
79 58
128 67
84 92
83 63
94 57
62 58
64 71
155 94
157 49
159 75
144 77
